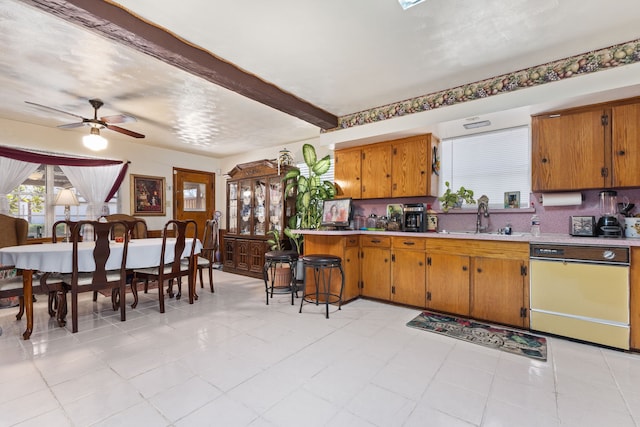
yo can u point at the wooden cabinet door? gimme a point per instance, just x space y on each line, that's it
498 291
347 173
351 266
376 171
242 255
411 167
408 277
448 283
625 140
568 151
375 270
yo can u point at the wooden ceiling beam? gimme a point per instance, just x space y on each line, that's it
122 26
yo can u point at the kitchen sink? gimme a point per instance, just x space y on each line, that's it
490 233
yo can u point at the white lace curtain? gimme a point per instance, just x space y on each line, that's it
94 183
12 173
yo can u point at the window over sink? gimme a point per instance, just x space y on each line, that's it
491 163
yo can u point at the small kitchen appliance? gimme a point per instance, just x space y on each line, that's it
608 224
414 217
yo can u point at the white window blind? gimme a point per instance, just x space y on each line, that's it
490 163
304 170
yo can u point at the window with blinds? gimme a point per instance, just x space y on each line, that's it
304 170
490 163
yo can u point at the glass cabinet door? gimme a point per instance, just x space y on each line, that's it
232 207
260 196
245 207
276 188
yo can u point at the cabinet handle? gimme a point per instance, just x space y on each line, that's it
409 243
621 153
375 241
357 178
422 172
544 160
386 260
420 263
464 268
479 270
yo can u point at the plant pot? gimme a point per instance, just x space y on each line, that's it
282 278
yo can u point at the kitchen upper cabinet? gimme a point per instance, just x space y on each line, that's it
590 147
400 168
448 283
347 173
408 271
499 290
375 267
568 151
376 171
625 126
414 164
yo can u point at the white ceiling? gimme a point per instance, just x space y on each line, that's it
341 56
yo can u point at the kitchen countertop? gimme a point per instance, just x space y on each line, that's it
515 237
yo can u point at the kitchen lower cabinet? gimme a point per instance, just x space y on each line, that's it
375 267
348 249
408 271
448 283
498 290
634 298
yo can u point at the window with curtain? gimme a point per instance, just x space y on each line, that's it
30 181
490 163
29 200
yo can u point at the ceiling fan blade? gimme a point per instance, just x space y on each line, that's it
124 131
118 118
71 125
53 109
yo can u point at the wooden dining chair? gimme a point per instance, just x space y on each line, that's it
11 283
167 272
207 256
83 280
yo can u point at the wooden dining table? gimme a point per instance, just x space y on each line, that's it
58 258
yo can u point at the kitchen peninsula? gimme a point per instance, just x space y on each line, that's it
485 276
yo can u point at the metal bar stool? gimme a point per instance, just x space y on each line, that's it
323 266
277 278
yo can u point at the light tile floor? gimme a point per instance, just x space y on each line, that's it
231 360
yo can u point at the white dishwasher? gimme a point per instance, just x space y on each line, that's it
581 292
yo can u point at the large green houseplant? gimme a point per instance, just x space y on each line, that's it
310 190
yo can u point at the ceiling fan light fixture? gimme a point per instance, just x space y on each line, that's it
406 4
94 141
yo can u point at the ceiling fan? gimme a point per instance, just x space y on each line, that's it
96 123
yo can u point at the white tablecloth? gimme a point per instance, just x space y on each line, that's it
58 257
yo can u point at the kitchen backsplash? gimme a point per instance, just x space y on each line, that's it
552 219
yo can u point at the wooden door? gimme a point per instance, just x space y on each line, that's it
625 121
410 167
347 164
194 196
375 271
408 277
448 283
568 151
498 291
376 171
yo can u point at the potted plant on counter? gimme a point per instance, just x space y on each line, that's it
453 199
310 190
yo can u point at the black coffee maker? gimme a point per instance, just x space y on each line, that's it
608 224
414 217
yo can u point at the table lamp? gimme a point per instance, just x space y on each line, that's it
66 198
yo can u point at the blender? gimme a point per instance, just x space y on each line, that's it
608 224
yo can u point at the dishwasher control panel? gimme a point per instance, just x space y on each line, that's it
580 253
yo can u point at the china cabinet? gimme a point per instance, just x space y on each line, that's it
256 204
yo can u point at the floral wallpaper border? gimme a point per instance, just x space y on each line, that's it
591 62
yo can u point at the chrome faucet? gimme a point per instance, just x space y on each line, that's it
483 210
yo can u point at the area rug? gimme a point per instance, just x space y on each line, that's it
509 340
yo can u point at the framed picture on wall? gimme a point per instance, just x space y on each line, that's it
511 199
147 195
